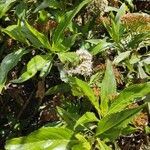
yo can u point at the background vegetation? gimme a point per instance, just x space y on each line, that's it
74 74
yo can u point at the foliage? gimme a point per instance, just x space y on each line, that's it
80 79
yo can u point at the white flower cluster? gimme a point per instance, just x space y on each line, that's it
85 66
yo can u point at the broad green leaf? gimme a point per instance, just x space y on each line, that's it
67 57
37 63
83 143
100 47
14 31
5 6
109 122
86 118
45 138
128 95
60 88
66 20
35 37
80 87
8 63
108 87
121 57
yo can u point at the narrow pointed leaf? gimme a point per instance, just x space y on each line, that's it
116 119
66 20
35 37
108 87
100 47
129 95
80 87
121 57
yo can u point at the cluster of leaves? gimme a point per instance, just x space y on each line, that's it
94 110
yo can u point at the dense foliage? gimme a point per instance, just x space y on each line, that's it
74 75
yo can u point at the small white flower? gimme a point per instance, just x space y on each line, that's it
84 67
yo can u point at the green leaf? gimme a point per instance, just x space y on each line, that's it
121 11
60 88
86 118
121 57
109 122
14 31
69 41
141 72
21 9
35 37
68 57
108 87
45 138
46 69
128 95
100 47
83 143
137 39
48 3
80 87
66 20
5 6
69 118
8 63
122 129
37 63
103 146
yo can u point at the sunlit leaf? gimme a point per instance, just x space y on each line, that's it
68 57
108 87
128 95
80 87
109 122
35 37
45 138
86 118
83 143
100 47
103 146
121 57
37 63
14 31
5 6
